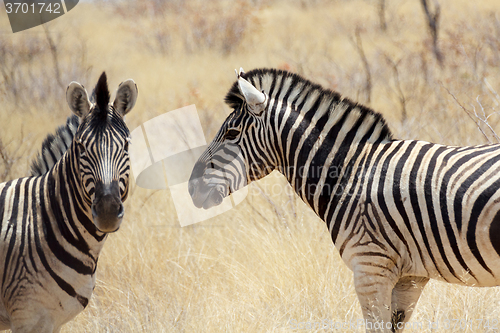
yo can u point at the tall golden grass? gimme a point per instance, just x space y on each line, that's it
270 262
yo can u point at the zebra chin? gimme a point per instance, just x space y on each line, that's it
204 195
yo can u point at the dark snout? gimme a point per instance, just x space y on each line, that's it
196 175
204 194
107 208
195 183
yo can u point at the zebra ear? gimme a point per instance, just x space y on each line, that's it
77 99
254 98
126 96
240 73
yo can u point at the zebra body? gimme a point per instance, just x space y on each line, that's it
53 225
437 204
399 211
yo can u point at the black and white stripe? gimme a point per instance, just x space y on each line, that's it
53 225
399 211
54 146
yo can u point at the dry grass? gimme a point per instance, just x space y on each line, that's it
270 260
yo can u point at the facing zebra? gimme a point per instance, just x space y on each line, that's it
53 226
399 211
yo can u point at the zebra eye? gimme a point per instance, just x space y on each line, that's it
232 134
80 146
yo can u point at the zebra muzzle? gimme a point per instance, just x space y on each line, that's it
205 195
107 208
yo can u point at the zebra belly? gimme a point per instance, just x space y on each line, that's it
378 237
396 262
476 259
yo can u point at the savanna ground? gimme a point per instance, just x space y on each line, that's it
269 262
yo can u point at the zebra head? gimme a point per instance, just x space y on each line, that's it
238 154
101 147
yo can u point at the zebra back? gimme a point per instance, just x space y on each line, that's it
54 146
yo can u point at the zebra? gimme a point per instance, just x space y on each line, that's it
53 226
400 212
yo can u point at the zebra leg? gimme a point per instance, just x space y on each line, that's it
37 328
374 294
405 296
34 323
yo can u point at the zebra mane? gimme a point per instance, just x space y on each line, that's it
101 96
54 146
271 80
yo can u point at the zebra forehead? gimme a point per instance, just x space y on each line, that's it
97 126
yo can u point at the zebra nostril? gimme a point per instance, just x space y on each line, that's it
94 213
191 186
121 211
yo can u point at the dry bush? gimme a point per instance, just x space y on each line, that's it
35 69
10 155
407 83
191 26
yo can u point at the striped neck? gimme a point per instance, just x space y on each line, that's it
315 134
67 211
320 134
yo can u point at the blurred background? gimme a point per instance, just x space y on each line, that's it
433 71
